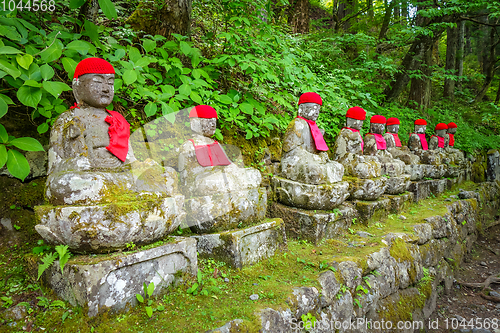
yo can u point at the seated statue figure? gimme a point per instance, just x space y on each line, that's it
375 145
309 179
403 153
419 146
440 140
456 156
348 151
220 195
100 197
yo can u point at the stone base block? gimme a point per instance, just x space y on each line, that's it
106 282
372 211
452 172
416 171
246 246
314 225
435 171
367 189
397 184
109 227
420 190
307 196
399 202
225 211
438 186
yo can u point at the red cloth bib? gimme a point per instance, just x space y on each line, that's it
452 139
440 141
355 130
379 138
396 139
210 155
319 141
119 134
423 140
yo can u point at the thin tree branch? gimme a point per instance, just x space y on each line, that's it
479 22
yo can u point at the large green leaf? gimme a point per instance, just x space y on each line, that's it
185 89
17 164
9 50
69 66
24 60
108 9
91 30
27 143
3 107
224 99
3 155
4 137
29 96
80 46
150 109
129 77
74 4
47 72
148 44
55 88
9 69
185 48
53 52
195 97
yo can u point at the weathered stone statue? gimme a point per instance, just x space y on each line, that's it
348 151
452 130
419 146
440 139
417 142
456 156
100 197
220 194
375 145
310 179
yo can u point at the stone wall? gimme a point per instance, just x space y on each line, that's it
398 282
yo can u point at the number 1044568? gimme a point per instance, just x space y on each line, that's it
29 5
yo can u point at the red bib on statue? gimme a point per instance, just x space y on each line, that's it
440 141
379 138
319 141
119 134
396 139
452 139
210 155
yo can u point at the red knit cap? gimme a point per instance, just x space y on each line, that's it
392 121
203 111
420 122
310 97
441 126
93 66
452 125
378 119
356 112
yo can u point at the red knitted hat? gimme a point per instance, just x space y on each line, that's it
441 126
310 97
378 119
420 122
203 111
452 125
356 112
93 66
392 121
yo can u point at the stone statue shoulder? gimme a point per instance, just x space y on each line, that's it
370 145
295 135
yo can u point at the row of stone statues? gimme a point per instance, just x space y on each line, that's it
101 198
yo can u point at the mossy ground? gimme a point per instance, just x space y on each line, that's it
177 311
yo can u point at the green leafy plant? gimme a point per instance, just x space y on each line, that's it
148 292
62 254
309 321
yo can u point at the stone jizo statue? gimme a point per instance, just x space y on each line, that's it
394 145
417 141
440 139
452 130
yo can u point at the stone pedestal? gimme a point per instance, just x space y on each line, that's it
416 171
106 282
372 211
397 184
438 186
399 202
307 196
244 247
435 171
366 189
109 227
314 225
420 190
225 211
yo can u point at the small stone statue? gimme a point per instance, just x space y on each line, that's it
439 140
220 194
94 180
394 145
417 141
309 179
304 148
456 156
452 130
376 145
419 146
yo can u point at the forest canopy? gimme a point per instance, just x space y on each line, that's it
251 60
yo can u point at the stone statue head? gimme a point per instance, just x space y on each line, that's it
309 105
93 83
452 128
355 117
441 129
377 124
420 126
393 125
203 120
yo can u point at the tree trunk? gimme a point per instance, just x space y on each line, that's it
420 90
468 47
497 99
346 9
451 57
489 67
387 19
89 11
369 4
298 16
397 11
404 11
460 54
162 17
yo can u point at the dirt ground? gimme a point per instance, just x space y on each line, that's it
481 315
